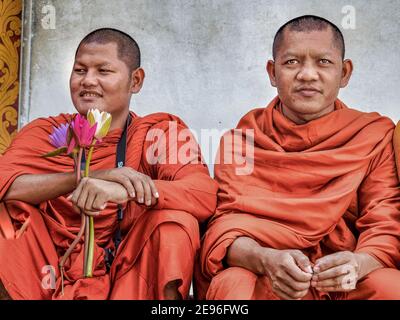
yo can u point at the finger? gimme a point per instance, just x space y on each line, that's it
302 261
89 201
153 189
139 191
296 273
92 213
345 282
292 283
75 195
127 183
147 192
348 287
332 273
292 294
82 198
330 261
99 203
335 282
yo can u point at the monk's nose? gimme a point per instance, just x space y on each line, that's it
89 80
307 73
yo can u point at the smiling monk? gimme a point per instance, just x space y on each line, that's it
164 193
319 215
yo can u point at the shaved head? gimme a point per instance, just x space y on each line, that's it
308 23
127 47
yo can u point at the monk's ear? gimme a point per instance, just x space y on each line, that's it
137 79
347 70
271 72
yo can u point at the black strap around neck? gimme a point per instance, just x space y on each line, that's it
119 163
121 147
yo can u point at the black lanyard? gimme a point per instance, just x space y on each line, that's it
119 163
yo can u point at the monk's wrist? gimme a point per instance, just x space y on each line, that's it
97 174
366 264
265 257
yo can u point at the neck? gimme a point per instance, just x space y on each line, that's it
300 118
118 120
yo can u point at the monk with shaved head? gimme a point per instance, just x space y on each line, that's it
147 191
318 217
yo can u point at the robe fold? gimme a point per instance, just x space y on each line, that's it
158 244
324 186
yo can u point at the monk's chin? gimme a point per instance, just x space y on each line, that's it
83 108
309 107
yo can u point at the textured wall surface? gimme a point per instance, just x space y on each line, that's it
205 59
10 40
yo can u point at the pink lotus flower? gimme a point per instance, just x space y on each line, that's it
83 133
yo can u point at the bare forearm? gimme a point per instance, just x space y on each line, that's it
36 188
247 253
367 264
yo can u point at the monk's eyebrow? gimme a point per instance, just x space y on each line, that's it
99 65
289 55
79 62
105 64
324 54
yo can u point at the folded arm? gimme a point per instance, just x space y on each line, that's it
36 188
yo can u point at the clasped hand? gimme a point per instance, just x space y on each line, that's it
292 274
117 185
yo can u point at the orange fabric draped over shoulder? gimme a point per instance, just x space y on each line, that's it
324 186
159 243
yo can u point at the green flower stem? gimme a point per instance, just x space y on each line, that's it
89 239
86 245
89 158
89 266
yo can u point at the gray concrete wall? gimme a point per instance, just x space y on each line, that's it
205 59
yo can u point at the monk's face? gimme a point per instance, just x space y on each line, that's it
308 72
99 79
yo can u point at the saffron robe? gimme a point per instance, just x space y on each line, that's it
159 243
325 186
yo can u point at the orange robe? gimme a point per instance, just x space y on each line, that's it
159 244
325 186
